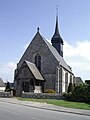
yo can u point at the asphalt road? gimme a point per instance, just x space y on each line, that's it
10 111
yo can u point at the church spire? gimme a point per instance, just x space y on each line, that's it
56 34
57 41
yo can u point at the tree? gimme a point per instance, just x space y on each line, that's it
8 88
70 88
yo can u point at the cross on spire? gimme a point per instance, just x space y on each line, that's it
57 10
56 34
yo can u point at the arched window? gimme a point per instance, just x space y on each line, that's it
38 61
66 82
66 78
70 78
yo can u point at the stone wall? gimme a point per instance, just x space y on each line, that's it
42 95
6 94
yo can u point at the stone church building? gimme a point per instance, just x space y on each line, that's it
42 66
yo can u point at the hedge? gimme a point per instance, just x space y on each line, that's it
81 93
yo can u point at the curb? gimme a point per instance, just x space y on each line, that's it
52 109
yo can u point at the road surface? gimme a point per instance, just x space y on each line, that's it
10 111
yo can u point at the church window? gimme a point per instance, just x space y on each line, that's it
70 78
38 61
66 78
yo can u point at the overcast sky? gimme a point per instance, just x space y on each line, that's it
19 20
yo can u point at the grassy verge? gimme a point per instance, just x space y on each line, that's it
62 103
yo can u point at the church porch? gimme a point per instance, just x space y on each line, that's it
28 79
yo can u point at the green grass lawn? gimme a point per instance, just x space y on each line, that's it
62 103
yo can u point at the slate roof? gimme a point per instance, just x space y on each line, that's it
57 56
2 83
78 80
34 70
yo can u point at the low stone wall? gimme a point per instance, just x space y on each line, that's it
42 95
6 94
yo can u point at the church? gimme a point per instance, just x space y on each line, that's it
42 66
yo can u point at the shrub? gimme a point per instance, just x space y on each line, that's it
80 93
50 91
89 94
7 90
70 88
68 96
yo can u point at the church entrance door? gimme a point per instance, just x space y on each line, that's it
25 86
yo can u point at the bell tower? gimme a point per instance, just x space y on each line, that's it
57 41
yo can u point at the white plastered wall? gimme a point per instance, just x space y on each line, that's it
63 80
2 88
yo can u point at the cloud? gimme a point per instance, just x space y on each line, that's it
7 71
77 56
11 65
80 49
